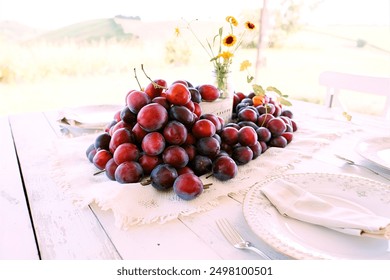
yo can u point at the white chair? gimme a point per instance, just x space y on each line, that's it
337 81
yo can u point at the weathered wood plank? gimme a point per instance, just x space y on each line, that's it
171 240
16 233
193 237
63 230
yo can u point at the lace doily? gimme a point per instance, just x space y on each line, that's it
133 204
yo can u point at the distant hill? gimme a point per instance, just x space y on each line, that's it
15 31
87 31
157 31
119 27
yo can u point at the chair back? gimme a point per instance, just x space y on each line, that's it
337 81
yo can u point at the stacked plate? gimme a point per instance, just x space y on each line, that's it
376 150
87 119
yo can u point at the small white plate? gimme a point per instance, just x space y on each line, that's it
376 150
301 240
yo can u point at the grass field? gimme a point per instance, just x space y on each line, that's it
44 76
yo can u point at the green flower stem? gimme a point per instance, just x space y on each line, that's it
221 80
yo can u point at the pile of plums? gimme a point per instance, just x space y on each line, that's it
161 136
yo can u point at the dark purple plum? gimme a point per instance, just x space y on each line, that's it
148 162
242 155
175 156
110 169
247 136
208 146
153 143
201 165
181 114
278 141
256 149
188 186
101 158
263 134
128 172
136 100
102 141
276 126
224 168
163 176
175 133
152 117
126 152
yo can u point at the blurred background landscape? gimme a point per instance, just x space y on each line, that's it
90 58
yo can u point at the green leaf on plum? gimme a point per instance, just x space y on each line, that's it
258 90
282 97
285 102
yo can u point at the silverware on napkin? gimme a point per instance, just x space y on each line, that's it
351 162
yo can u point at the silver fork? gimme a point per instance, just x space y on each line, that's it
351 162
232 235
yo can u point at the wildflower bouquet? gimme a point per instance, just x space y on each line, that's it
222 49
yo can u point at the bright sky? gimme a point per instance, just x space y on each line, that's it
50 14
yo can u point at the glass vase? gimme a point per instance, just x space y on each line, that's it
222 80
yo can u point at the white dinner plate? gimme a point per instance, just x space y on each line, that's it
376 150
301 240
87 119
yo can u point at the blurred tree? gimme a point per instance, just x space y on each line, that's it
278 19
288 18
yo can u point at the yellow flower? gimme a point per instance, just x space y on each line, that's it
249 25
232 20
177 31
245 65
225 55
229 40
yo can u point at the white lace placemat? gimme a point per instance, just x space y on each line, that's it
133 204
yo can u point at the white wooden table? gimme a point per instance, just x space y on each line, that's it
37 222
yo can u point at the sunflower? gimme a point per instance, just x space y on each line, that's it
229 40
249 25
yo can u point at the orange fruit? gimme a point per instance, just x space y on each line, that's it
257 100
